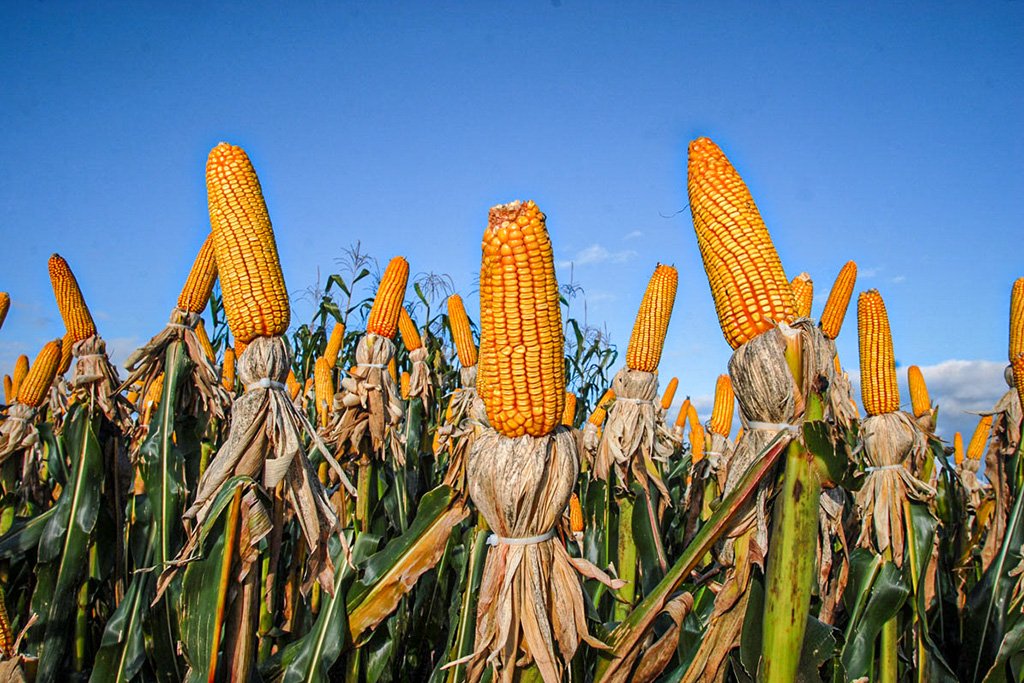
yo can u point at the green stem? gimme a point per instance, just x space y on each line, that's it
363 488
626 564
888 657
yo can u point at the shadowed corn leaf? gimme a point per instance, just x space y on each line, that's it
878 591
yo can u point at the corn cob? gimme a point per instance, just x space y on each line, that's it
601 409
240 347
9 394
393 369
77 319
133 394
696 436
204 341
407 328
920 402
37 383
5 305
838 300
1017 318
292 384
958 448
405 384
462 333
334 343
803 294
323 385
648 338
156 388
6 634
569 412
20 372
670 393
877 362
521 341
251 281
721 412
748 284
684 412
976 448
1018 376
575 515
383 320
227 372
196 292
67 346
306 388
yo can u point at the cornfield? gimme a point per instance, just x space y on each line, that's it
391 491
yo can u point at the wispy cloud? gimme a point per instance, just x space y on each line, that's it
898 279
635 234
595 254
867 272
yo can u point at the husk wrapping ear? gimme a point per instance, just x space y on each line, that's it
1006 435
841 404
892 441
95 379
147 363
831 584
18 432
369 404
465 419
420 385
531 605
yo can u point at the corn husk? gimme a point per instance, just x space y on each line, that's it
420 385
832 579
465 419
531 607
95 380
368 405
18 431
204 392
266 443
891 442
1002 446
841 402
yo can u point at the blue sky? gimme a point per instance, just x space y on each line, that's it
887 134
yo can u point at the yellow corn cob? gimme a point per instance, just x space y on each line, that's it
154 392
37 383
204 341
521 341
648 338
196 292
227 373
739 433
6 634
334 343
67 346
323 384
292 384
803 294
9 394
696 436
920 402
569 412
684 412
877 363
601 409
838 300
976 448
240 347
1018 376
462 333
1017 318
691 416
251 281
77 319
835 364
307 387
670 393
405 384
958 448
393 369
721 413
5 305
133 394
20 371
575 515
410 335
748 284
383 320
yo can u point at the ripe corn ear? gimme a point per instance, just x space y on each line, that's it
684 413
1018 376
77 318
648 338
39 378
292 384
199 285
569 412
251 281
387 305
838 300
601 409
462 333
670 393
803 294
227 372
5 305
748 284
920 402
67 345
575 515
20 372
9 394
334 343
521 342
405 384
976 448
958 448
407 328
323 386
1017 318
721 412
879 390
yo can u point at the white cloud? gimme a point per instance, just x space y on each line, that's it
595 254
898 279
867 272
635 234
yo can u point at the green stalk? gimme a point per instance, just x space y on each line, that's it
363 487
888 660
464 638
626 564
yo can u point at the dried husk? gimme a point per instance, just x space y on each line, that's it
629 443
891 442
589 441
420 385
265 442
657 655
531 607
841 403
968 472
204 393
95 380
831 579
467 417
18 431
1002 446
368 405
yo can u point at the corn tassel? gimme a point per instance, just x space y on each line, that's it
838 300
879 390
648 338
387 305
34 388
462 333
77 318
199 285
721 412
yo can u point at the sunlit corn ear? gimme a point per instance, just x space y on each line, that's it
976 447
1016 319
334 344
648 338
227 373
387 304
920 401
407 328
251 281
462 333
569 412
721 412
77 318
5 305
670 393
834 313
748 283
323 387
601 409
522 365
34 387
199 284
803 294
1018 376
684 413
878 387
66 353
958 448
19 374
